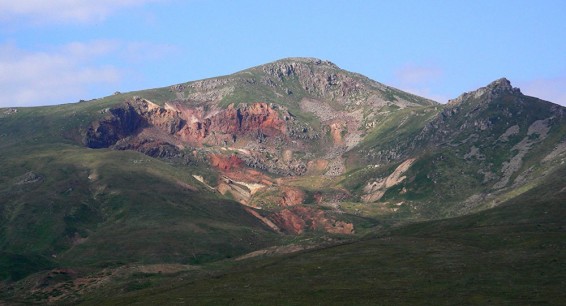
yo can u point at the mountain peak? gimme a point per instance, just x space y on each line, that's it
291 64
297 77
307 60
502 85
493 90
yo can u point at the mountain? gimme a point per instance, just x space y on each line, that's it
480 149
291 155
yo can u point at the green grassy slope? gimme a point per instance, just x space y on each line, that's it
86 207
512 254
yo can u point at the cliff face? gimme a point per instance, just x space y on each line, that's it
119 123
195 126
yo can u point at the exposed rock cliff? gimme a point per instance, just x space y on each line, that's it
192 125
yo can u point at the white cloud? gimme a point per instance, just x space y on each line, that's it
413 74
64 10
550 89
419 80
40 78
68 73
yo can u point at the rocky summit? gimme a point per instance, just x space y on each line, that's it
250 163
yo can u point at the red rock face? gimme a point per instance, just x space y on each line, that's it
196 125
225 163
297 219
292 196
260 116
289 222
228 125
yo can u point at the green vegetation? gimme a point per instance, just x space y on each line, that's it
509 254
94 207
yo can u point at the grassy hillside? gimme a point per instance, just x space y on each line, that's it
68 206
512 254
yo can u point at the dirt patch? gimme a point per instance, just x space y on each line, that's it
320 109
317 166
397 176
335 167
287 155
201 179
225 163
336 131
540 127
474 153
286 249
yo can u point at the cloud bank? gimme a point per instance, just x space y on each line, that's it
64 10
40 78
73 71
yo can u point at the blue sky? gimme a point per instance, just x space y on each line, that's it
61 51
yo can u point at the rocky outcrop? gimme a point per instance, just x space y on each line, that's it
195 126
222 127
153 147
119 123
536 133
492 91
29 178
375 189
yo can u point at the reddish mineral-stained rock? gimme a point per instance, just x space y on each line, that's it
288 221
195 125
292 196
225 163
297 219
